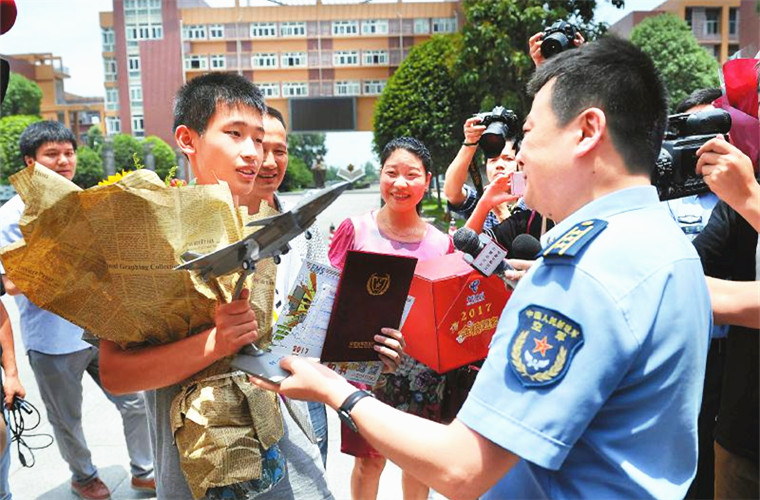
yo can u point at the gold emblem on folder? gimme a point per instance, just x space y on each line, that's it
378 284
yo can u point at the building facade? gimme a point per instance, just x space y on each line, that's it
323 65
722 27
78 113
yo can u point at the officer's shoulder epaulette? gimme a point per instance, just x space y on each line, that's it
567 246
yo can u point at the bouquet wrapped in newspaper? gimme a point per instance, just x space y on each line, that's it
103 259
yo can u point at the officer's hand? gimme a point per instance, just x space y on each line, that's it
236 326
472 130
727 171
390 345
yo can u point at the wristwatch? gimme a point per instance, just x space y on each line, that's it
344 412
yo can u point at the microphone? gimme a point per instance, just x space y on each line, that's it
481 252
525 246
7 15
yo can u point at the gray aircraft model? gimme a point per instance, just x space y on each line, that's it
269 241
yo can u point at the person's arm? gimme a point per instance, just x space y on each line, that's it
735 302
452 459
496 193
729 174
11 384
10 288
457 171
151 367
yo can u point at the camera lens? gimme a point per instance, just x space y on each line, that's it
554 44
493 139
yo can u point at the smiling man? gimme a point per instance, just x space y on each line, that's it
592 383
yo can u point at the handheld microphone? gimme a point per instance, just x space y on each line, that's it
481 252
525 246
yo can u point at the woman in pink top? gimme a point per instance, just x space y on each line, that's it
398 229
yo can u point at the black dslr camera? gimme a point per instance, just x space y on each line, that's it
500 124
675 174
558 37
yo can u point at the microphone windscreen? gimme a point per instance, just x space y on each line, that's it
7 15
525 246
466 240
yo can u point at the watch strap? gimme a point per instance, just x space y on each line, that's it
344 411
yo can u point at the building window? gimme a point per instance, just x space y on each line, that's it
215 31
112 99
712 21
109 68
148 31
135 96
290 89
133 64
421 26
218 61
733 21
293 29
264 60
138 126
345 28
194 32
733 50
374 57
196 61
293 59
351 87
373 87
269 89
688 15
113 125
444 25
263 30
108 39
346 58
375 27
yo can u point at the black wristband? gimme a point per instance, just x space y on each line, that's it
468 144
344 411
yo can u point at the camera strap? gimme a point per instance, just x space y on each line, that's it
477 180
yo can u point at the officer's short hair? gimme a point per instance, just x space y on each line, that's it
39 133
617 77
197 100
699 97
275 113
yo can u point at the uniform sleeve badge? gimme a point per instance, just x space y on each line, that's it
543 347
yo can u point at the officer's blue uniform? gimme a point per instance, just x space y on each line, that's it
594 376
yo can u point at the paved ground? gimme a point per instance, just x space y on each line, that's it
49 478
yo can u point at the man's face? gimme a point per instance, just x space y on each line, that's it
545 157
60 157
275 162
230 149
504 164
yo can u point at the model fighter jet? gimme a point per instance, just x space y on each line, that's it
269 241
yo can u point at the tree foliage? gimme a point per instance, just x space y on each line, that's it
124 148
95 138
89 167
306 147
163 155
23 97
683 64
11 127
297 176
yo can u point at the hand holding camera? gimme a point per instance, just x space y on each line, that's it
558 37
727 171
499 125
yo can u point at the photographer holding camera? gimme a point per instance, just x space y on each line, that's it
556 38
496 133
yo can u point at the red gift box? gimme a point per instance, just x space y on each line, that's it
455 313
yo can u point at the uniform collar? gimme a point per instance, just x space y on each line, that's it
624 200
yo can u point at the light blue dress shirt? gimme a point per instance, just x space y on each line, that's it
620 420
41 330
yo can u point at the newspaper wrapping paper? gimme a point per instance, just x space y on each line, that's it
103 259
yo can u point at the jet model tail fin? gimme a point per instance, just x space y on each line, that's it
188 256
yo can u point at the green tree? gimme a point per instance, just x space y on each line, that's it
306 147
89 167
370 173
11 127
422 100
683 64
163 155
23 97
124 148
297 176
95 138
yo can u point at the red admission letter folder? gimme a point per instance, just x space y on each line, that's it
371 294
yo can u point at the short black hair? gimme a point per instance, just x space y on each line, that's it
698 98
39 133
197 100
414 146
275 113
617 77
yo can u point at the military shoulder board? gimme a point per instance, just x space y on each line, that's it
567 246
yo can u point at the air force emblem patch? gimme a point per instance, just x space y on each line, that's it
545 343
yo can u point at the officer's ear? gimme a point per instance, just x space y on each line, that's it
591 123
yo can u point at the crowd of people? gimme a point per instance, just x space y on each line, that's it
609 375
